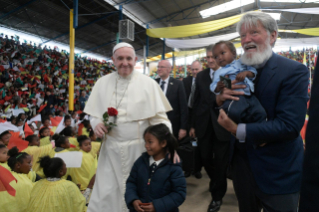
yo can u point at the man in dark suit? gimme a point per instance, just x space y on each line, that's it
267 157
310 179
189 84
175 93
213 140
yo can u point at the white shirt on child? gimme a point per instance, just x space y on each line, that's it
157 162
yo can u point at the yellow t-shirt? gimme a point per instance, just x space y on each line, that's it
32 175
84 174
85 132
45 141
20 201
75 142
95 148
5 165
37 153
57 196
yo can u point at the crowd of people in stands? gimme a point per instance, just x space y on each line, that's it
33 112
35 78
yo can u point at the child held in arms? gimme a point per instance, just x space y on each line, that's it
155 182
247 109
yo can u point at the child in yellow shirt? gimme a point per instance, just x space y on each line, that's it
4 156
20 164
55 194
37 151
84 174
5 137
69 132
45 137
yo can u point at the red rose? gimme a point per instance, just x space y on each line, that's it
112 111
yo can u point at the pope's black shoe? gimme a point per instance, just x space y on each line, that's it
187 174
198 175
214 206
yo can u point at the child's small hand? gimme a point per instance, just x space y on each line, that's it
136 205
148 208
220 86
241 76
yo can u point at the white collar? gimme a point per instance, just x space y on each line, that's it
157 162
166 80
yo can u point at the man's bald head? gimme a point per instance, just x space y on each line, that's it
196 67
164 68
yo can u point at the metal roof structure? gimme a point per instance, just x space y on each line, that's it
97 23
165 13
98 19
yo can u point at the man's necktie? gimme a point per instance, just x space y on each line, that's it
162 85
191 97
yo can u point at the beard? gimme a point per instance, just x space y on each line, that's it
259 57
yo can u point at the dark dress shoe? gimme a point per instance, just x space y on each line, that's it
198 175
187 174
214 206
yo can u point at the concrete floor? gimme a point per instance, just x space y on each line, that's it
198 197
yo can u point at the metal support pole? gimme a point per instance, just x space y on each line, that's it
163 54
147 42
185 66
71 64
120 18
16 9
174 64
145 58
76 13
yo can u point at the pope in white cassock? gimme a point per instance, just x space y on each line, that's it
140 103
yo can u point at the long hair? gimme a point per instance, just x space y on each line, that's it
162 133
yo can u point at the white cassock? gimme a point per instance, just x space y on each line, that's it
142 104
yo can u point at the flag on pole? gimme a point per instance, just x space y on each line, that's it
7 126
60 127
55 121
41 108
27 130
18 142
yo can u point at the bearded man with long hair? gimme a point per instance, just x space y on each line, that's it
267 157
